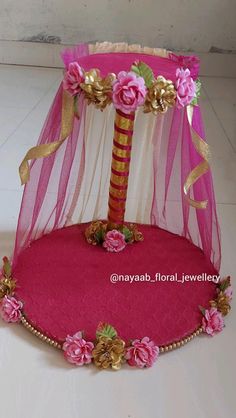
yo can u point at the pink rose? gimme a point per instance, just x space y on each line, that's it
142 353
114 241
185 87
73 77
129 91
212 322
77 350
10 309
229 292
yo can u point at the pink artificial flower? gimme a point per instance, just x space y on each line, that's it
10 309
229 292
77 350
212 322
185 87
142 353
114 241
73 77
129 91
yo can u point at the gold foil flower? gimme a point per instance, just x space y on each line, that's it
98 90
221 303
95 232
136 234
7 286
108 352
160 96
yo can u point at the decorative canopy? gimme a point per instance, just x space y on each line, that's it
170 183
121 159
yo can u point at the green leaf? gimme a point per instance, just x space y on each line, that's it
105 330
127 233
203 310
143 70
224 284
198 83
6 267
99 236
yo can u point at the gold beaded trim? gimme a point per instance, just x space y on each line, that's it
39 334
180 343
163 349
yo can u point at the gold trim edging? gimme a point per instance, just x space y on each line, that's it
163 349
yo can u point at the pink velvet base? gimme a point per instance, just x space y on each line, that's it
65 286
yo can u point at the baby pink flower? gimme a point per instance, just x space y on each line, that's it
229 292
10 309
114 241
212 322
77 350
73 77
185 87
142 353
129 91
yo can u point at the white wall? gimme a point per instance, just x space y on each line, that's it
175 24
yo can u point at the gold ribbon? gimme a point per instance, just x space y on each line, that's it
203 150
45 150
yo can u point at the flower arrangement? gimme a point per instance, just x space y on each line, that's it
132 89
109 350
112 237
213 318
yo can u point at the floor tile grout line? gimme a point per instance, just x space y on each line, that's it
219 120
28 113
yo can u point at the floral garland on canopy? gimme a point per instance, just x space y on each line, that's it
129 90
108 350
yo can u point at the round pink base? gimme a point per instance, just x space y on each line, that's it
65 286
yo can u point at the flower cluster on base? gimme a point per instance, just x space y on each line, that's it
112 237
10 308
213 318
130 89
109 350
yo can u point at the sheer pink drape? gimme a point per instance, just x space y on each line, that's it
51 195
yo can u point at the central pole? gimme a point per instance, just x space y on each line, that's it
121 156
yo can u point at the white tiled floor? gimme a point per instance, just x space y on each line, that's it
197 381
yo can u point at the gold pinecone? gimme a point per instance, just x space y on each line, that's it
98 90
7 286
221 303
160 96
108 352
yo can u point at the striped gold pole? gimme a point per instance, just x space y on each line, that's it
121 155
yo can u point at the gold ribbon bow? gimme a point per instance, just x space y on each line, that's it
45 150
203 150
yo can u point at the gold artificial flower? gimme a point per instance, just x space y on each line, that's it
7 286
160 96
95 230
98 90
136 234
221 303
108 352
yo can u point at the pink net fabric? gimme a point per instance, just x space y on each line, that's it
52 194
